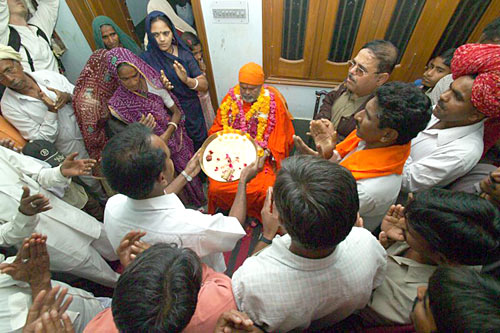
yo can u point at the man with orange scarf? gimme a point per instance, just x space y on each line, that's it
264 115
376 151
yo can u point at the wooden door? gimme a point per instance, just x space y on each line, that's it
86 10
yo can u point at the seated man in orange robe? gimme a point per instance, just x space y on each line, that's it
261 112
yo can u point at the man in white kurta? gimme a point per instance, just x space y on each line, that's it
31 115
451 144
166 220
14 13
16 298
439 156
76 240
137 164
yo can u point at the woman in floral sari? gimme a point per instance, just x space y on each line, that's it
142 92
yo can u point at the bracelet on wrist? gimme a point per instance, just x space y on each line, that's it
173 124
196 84
188 177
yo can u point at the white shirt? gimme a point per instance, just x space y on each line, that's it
376 194
166 220
441 86
16 299
281 291
439 156
33 120
70 232
44 18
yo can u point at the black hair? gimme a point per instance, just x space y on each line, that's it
404 108
169 23
447 56
463 300
317 201
190 39
158 291
461 226
492 31
385 52
129 162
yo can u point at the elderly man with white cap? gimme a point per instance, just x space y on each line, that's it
38 104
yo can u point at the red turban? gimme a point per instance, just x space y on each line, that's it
482 60
251 73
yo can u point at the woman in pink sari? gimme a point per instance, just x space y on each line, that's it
142 93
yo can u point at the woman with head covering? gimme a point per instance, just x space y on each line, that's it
142 92
167 52
107 35
93 89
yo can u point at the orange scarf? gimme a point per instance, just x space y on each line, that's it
371 163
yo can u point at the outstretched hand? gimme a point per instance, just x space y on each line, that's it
72 168
393 226
33 204
180 71
130 246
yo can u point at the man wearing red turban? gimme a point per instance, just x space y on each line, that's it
483 62
271 127
452 143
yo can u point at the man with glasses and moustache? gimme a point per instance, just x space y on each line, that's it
368 70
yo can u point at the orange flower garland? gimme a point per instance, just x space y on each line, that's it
262 108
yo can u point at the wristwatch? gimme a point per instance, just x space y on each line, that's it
188 177
265 240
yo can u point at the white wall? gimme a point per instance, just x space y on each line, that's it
77 49
233 45
137 10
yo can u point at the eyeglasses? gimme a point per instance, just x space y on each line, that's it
359 71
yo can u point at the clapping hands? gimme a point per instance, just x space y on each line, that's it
48 314
393 226
130 246
32 262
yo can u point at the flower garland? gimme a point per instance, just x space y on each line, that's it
259 121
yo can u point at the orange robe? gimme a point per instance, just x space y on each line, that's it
221 195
